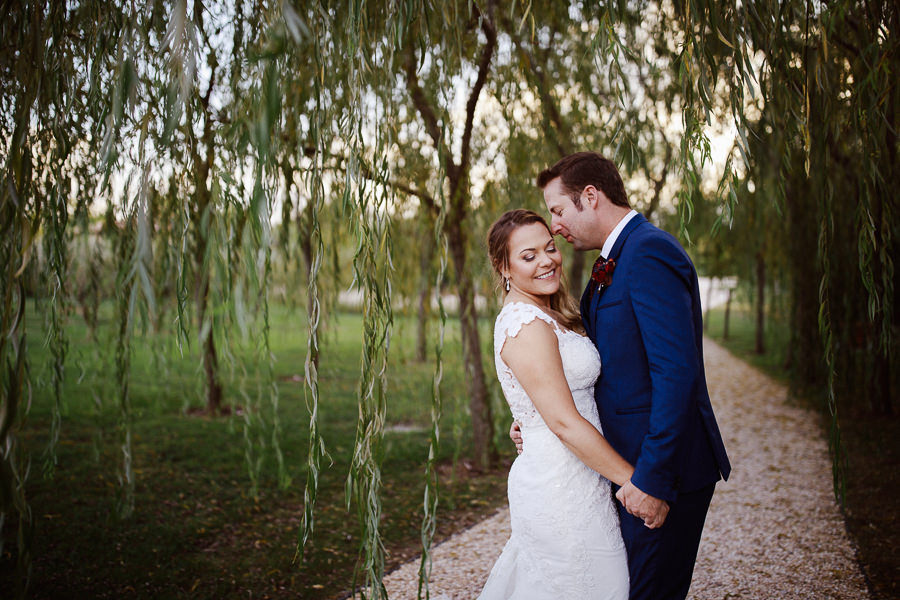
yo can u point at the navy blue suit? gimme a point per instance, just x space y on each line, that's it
653 401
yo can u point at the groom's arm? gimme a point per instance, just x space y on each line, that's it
661 298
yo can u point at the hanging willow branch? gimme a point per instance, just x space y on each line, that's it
57 238
31 112
316 451
13 367
261 210
430 500
124 314
372 273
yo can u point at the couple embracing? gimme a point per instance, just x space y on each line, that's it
617 464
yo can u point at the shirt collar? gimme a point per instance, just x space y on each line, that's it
614 235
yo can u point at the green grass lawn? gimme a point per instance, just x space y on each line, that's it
872 448
741 339
196 531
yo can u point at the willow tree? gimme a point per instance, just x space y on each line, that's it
339 144
852 144
197 124
57 95
417 60
836 65
187 120
200 118
89 111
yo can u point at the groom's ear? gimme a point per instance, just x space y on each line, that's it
591 196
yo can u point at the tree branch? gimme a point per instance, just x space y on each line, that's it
539 80
366 172
484 67
658 183
432 125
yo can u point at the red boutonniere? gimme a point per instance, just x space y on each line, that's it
602 272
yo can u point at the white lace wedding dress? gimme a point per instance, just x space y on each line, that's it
565 542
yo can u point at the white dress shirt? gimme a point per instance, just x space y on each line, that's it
614 235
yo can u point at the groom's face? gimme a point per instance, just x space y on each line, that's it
572 222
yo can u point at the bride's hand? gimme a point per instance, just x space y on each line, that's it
515 434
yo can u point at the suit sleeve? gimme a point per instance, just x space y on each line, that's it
661 300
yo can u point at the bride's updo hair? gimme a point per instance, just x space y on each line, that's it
498 236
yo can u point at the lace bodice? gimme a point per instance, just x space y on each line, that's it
581 363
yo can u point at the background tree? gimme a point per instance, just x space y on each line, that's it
455 168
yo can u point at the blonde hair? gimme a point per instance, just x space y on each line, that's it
561 302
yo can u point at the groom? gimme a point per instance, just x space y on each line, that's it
642 311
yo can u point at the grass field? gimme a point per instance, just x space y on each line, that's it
196 530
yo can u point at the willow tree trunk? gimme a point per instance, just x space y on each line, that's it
457 174
479 402
423 310
880 383
709 291
207 338
760 303
305 241
423 301
576 274
211 369
880 379
727 318
803 281
203 164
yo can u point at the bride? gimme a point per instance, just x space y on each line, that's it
565 540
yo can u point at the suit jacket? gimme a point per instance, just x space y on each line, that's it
652 396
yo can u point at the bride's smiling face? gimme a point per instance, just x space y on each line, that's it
534 261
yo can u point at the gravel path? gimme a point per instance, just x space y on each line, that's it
773 530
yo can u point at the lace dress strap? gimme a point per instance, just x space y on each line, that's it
513 317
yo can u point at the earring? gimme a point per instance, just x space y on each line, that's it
507 284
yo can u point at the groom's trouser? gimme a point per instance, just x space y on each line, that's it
661 561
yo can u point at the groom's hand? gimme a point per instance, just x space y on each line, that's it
515 434
652 510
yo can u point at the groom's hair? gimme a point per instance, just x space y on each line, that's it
579 170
